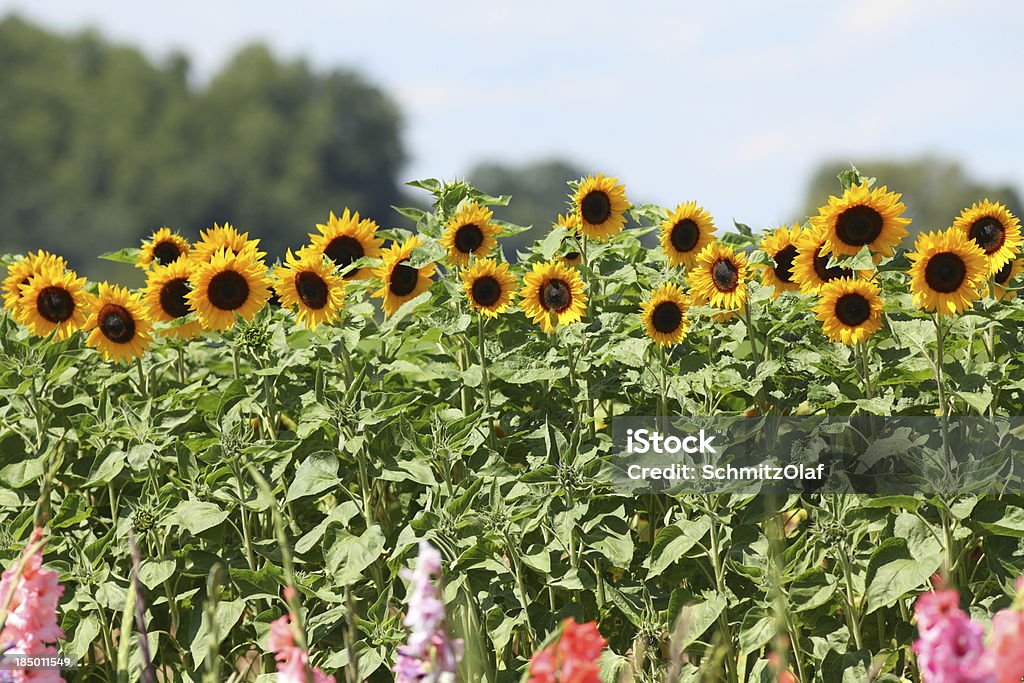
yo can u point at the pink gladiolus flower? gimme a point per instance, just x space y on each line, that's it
1006 643
429 655
950 649
572 659
31 624
292 660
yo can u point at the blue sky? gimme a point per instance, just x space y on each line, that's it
731 104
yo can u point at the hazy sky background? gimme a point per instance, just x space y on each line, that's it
731 104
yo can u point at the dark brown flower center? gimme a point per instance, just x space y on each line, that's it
468 238
312 290
684 235
172 298
596 207
945 272
344 251
228 290
988 233
1002 275
486 291
55 304
784 263
403 279
826 274
725 275
666 317
555 295
859 226
166 252
573 256
852 309
116 323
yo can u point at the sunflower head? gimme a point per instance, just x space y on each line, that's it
862 217
664 315
685 233
22 271
948 270
489 287
345 240
165 298
53 301
400 281
780 246
850 310
163 248
552 295
229 286
226 238
600 207
719 277
470 232
811 264
118 329
992 227
1002 280
308 282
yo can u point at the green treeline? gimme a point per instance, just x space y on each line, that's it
99 145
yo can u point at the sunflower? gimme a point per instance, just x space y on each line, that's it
947 272
22 271
229 285
571 223
489 287
600 205
719 277
53 301
308 282
345 240
120 330
664 314
686 231
849 309
552 294
400 281
1001 288
165 298
469 232
994 229
224 237
810 265
780 245
862 217
163 248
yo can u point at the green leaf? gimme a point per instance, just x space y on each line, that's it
811 589
128 255
699 618
228 614
348 556
316 474
893 573
550 245
196 516
152 573
674 541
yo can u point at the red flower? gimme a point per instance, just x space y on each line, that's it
572 659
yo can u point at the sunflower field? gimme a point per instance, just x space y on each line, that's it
383 455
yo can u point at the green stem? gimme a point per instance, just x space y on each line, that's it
485 378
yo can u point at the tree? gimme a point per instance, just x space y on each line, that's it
100 146
934 189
